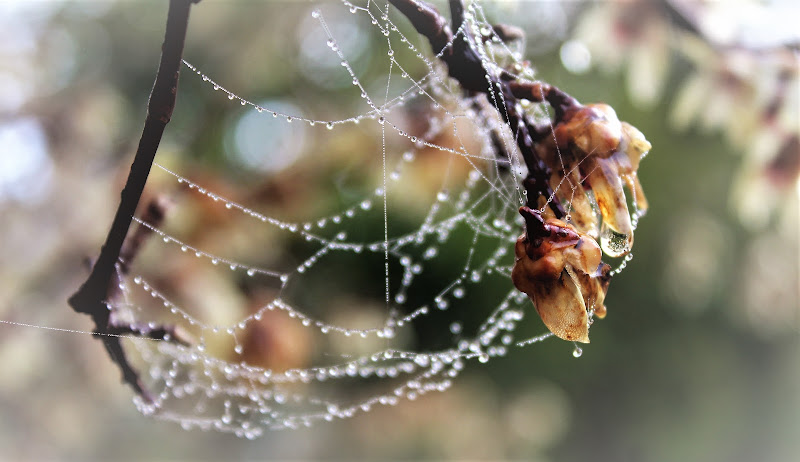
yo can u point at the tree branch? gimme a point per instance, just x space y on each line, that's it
102 285
464 64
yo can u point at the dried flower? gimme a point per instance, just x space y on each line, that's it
560 269
592 155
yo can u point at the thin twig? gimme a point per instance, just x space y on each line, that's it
101 286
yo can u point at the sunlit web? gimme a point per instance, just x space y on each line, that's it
428 316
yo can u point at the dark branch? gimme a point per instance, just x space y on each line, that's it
504 92
427 21
102 284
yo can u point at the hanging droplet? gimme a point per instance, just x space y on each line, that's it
614 244
577 352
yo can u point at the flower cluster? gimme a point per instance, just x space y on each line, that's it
592 156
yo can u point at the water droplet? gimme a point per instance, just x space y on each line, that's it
577 352
329 125
614 244
455 328
458 292
430 252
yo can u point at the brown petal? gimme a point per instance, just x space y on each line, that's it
561 307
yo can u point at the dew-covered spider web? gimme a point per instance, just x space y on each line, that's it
362 281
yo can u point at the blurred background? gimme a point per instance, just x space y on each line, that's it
698 360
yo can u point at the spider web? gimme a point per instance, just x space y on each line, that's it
428 319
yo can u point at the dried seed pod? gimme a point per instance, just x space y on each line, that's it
560 269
